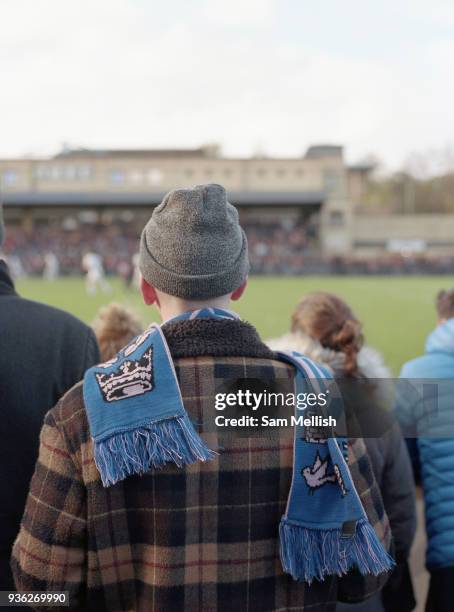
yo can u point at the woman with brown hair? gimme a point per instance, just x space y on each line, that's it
115 326
325 329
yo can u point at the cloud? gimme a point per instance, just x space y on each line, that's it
135 73
250 13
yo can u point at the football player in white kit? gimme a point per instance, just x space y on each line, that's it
95 276
136 276
51 266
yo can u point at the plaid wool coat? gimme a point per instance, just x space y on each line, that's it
203 537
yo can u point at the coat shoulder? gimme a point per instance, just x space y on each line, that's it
69 404
417 367
70 417
52 314
371 363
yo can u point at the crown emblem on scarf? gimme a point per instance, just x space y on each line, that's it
132 377
134 345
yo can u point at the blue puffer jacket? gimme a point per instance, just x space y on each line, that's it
435 454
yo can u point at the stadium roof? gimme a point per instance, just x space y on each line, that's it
207 151
93 198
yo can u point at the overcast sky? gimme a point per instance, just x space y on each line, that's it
254 75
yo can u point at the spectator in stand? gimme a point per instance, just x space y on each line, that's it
44 352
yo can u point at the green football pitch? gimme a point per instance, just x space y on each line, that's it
397 312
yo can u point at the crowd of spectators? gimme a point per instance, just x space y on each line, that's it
392 264
116 244
274 247
283 247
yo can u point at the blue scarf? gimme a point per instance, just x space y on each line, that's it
325 530
136 413
138 421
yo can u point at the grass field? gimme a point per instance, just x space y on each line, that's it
397 312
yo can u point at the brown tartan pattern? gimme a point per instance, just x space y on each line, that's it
200 538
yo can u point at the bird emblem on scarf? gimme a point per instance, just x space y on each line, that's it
317 475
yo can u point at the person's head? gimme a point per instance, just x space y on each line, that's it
193 251
445 305
114 327
329 320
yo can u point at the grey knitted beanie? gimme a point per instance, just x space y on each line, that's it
193 246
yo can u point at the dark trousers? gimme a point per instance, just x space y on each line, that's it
441 590
374 604
6 578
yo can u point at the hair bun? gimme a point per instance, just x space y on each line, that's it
349 341
349 334
328 319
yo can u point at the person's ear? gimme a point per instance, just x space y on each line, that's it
149 294
239 292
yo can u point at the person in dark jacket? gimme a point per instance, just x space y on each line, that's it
325 329
431 440
43 352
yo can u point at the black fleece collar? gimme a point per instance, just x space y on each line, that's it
214 337
6 282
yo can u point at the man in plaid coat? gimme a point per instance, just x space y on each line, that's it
199 537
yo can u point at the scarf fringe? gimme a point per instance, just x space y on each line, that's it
309 554
136 451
